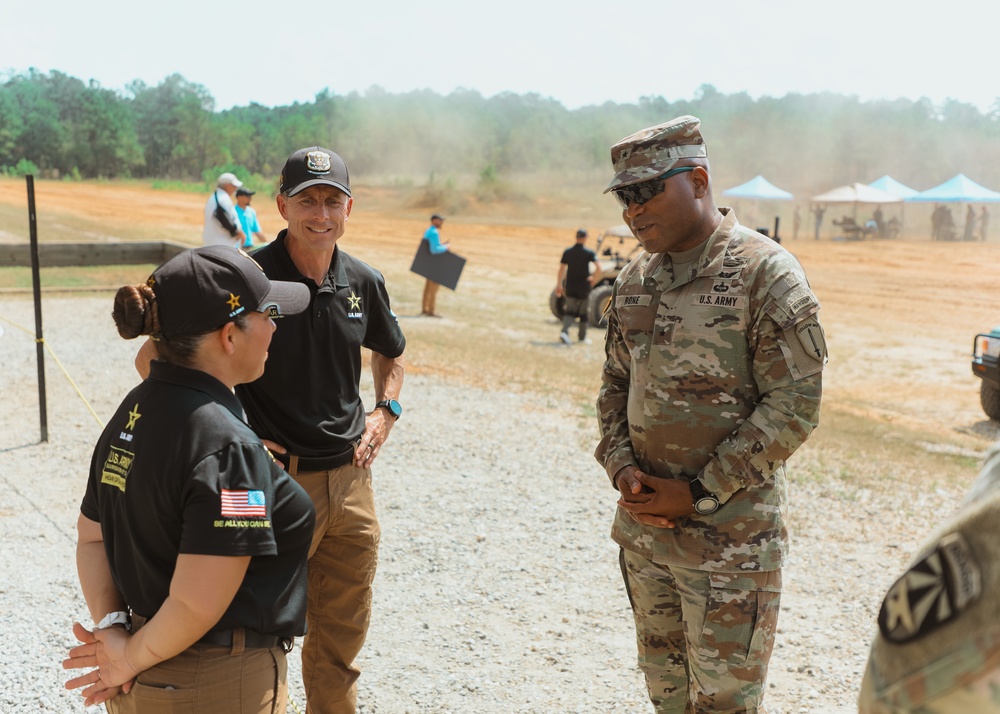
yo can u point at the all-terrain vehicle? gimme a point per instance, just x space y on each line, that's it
616 246
986 366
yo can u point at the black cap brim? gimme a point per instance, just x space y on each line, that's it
316 182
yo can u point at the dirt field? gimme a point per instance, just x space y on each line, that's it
900 415
900 316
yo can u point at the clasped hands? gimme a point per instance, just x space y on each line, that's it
651 500
104 649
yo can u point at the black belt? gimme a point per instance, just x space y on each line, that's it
317 463
251 640
224 638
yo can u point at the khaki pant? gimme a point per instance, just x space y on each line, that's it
704 638
430 298
206 679
342 563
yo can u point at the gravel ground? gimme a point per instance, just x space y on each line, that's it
498 588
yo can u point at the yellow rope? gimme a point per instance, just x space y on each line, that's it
60 364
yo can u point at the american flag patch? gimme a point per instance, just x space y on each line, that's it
242 504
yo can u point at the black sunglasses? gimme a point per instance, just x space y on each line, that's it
642 192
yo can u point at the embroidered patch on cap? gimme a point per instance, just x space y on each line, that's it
931 593
318 161
243 504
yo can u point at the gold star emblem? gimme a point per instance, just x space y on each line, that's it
355 301
234 301
133 417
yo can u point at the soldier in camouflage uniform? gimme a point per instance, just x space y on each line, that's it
938 646
712 380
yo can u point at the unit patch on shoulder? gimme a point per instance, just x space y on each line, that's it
117 466
932 592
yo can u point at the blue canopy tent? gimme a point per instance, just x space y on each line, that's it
890 185
758 189
958 189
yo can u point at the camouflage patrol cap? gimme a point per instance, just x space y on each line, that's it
650 152
938 646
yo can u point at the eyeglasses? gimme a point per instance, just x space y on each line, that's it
642 192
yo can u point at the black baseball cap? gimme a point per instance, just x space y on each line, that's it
311 167
244 192
579 234
437 216
203 288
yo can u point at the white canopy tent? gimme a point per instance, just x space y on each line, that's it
854 194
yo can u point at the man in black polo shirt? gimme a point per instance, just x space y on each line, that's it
307 409
574 283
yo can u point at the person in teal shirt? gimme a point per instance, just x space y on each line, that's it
433 237
248 218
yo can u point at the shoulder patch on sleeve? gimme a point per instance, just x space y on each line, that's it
932 593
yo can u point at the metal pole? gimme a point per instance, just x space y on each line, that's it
36 284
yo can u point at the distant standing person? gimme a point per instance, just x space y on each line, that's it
984 224
712 380
248 218
969 233
433 237
222 224
577 272
796 222
819 210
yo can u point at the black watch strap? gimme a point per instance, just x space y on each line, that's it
391 406
704 502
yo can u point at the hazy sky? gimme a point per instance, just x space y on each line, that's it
578 52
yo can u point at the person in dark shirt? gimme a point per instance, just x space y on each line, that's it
577 271
308 410
192 541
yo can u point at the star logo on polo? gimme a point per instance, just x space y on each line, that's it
150 282
133 417
353 306
234 301
318 161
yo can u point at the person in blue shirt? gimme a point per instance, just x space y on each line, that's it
248 218
433 237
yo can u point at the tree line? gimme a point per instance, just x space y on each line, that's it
60 126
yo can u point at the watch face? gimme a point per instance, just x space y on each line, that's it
706 505
394 408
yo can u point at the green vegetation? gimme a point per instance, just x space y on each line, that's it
63 127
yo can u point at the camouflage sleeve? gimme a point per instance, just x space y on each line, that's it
789 352
614 451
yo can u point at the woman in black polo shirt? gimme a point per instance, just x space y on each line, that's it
188 530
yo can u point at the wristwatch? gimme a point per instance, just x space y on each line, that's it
704 502
391 406
115 618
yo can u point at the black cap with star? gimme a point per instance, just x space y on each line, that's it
203 288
